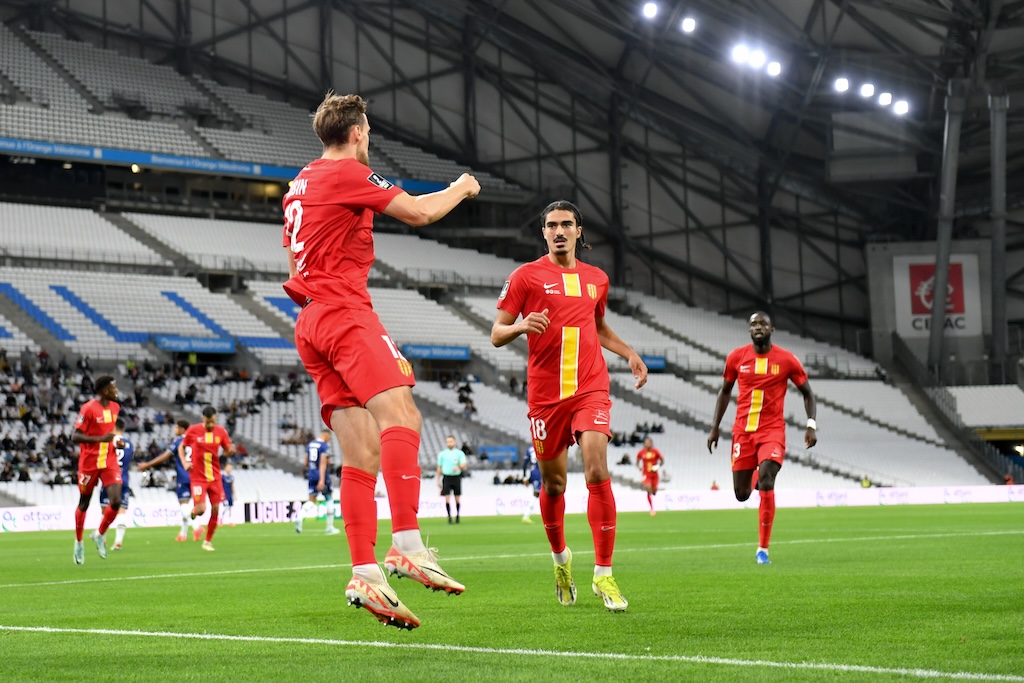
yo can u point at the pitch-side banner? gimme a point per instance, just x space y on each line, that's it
517 500
914 285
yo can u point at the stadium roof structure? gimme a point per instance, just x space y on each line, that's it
750 93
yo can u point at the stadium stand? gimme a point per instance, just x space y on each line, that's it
11 338
272 419
412 319
220 244
722 334
686 458
990 406
425 260
119 81
73 234
880 401
34 77
94 130
94 316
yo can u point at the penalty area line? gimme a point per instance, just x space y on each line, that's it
526 652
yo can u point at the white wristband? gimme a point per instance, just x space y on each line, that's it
811 424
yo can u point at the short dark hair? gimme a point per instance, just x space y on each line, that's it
335 117
184 424
102 382
209 411
119 423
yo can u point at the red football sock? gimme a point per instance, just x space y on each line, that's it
109 514
601 515
359 510
766 513
400 464
79 523
552 513
211 526
650 501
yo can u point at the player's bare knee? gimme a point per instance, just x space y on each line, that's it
742 496
554 486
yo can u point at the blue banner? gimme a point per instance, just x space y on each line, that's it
196 164
654 362
166 342
430 352
498 453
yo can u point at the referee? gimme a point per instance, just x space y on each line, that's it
451 463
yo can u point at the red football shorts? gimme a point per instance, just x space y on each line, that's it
108 475
554 427
651 479
349 355
750 449
200 489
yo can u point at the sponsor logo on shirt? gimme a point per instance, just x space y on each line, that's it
551 289
744 368
380 181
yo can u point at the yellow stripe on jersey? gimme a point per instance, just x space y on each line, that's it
569 371
571 282
208 466
101 459
761 366
756 403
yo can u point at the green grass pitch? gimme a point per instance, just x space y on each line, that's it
853 594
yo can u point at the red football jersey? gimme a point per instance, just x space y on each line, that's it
205 446
762 380
95 420
566 359
328 225
648 459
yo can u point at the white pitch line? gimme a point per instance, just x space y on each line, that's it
523 652
711 546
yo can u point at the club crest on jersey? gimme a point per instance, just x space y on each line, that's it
592 291
380 181
775 369
504 290
404 367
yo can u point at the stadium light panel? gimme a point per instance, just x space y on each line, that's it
842 84
774 68
901 107
867 90
689 25
650 10
885 99
740 54
757 59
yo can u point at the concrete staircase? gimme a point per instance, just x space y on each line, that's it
279 326
95 106
36 332
180 261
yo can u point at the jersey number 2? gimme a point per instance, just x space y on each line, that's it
292 223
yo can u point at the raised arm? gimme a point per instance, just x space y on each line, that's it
425 209
611 341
